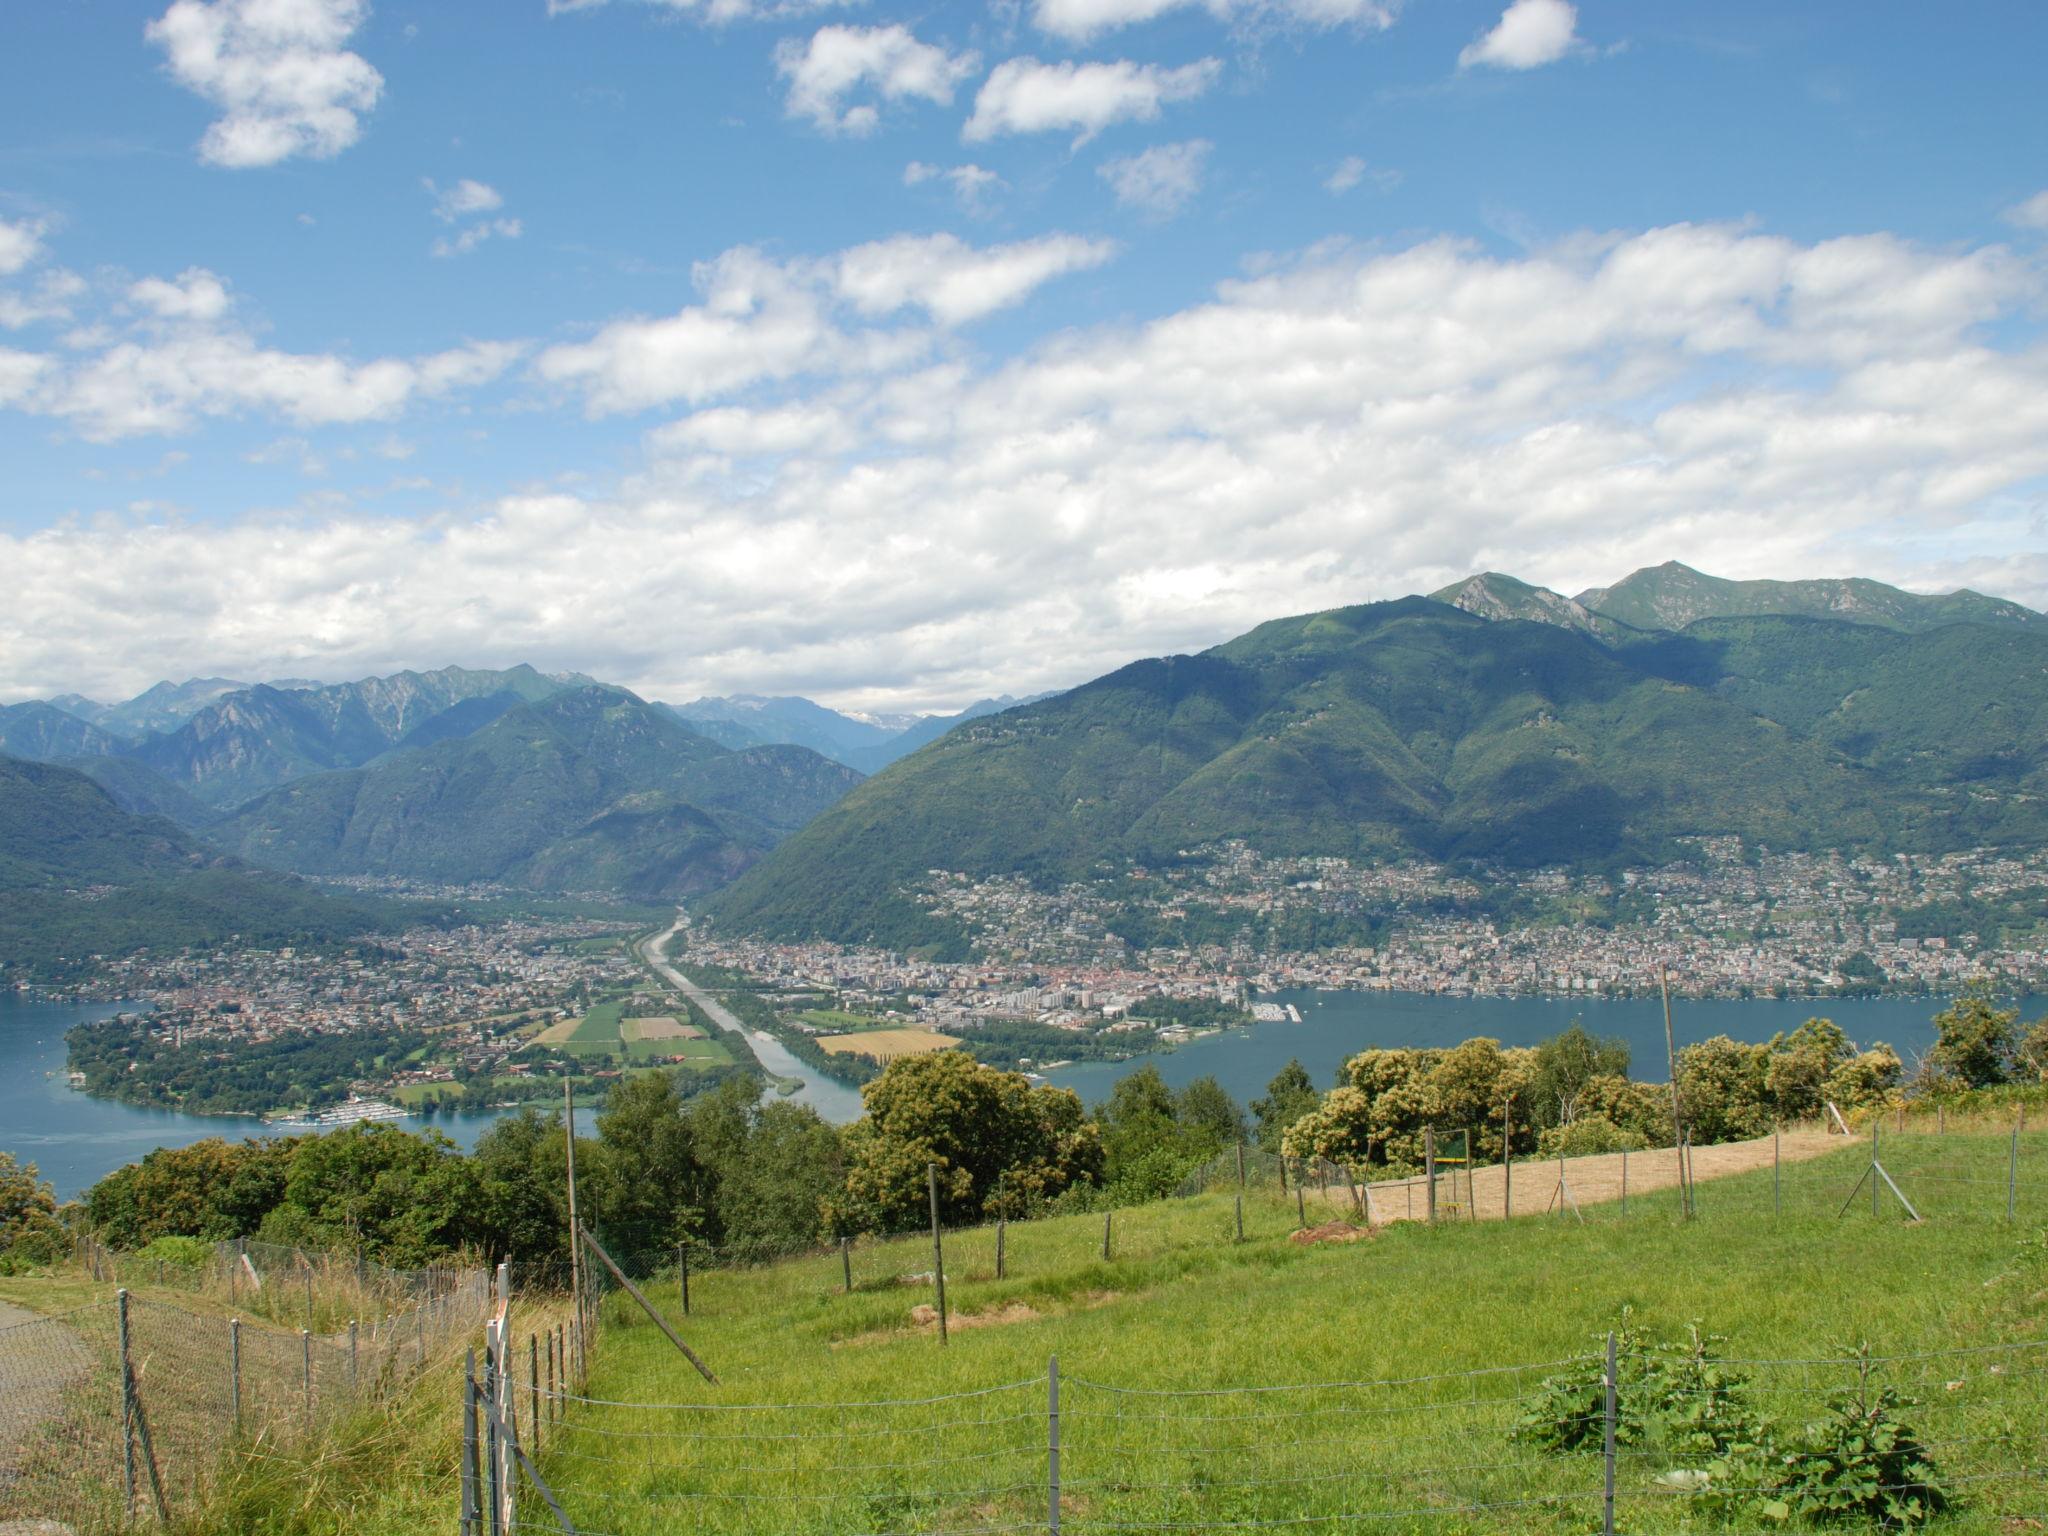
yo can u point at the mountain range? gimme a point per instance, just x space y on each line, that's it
1496 722
1509 725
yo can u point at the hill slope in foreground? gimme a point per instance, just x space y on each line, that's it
1207 1382
1413 728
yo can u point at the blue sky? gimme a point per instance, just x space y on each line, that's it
903 356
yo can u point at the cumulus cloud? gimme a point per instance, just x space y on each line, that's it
975 186
2030 214
170 353
954 282
1529 34
716 13
1159 181
1354 424
1080 21
195 294
463 200
21 243
277 70
762 320
888 61
1353 171
1025 95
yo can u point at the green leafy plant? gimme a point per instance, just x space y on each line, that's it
1569 1412
1861 1462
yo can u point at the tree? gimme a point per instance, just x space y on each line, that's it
1563 1065
211 1189
1975 1040
2032 1054
1210 1120
30 1234
649 1189
997 1142
1290 1095
402 1199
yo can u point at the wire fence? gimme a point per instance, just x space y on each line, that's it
121 1409
1683 1440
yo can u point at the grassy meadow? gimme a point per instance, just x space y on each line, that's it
1470 1317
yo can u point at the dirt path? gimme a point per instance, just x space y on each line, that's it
1590 1180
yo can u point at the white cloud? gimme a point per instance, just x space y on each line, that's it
974 186
955 282
464 200
1024 95
1355 424
278 72
2032 213
468 239
195 294
717 13
1161 180
50 298
840 61
21 243
1079 21
1353 170
1530 33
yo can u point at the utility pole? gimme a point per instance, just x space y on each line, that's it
1677 1114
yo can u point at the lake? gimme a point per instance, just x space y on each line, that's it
1337 1025
75 1139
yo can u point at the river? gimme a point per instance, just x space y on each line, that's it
75 1139
1336 1025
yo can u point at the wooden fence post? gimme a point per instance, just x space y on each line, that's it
931 1177
1105 1237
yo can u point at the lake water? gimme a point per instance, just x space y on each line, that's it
1337 1025
75 1139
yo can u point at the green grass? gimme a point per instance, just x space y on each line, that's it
841 1022
1182 1306
698 1054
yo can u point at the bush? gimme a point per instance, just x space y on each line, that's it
1860 1463
186 1252
1588 1136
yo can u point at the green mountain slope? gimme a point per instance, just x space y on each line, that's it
42 732
1671 596
586 789
1413 728
1490 595
80 876
256 738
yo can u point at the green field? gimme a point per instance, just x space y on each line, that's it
597 1034
839 1022
1444 1334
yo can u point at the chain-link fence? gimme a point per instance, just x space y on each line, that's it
123 1407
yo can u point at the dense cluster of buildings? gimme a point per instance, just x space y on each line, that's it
1730 921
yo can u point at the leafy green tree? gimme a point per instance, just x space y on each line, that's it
1723 1084
1975 1040
649 1189
1290 1095
779 1169
1563 1066
984 1130
211 1189
1140 1121
521 1206
1210 1120
402 1199
30 1234
2032 1054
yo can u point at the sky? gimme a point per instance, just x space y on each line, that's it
902 357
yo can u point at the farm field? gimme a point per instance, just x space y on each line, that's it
886 1045
606 1031
1206 1381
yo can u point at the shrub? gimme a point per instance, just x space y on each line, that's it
1860 1463
1588 1136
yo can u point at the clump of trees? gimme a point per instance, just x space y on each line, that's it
1573 1094
1980 1045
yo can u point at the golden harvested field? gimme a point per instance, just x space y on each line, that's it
658 1029
557 1033
887 1044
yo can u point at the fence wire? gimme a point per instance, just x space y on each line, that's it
78 1448
1692 1442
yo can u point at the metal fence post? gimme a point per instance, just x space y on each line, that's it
306 1371
1429 1168
1777 1187
1607 1494
127 1400
2012 1174
1002 1232
235 1371
1300 1205
1052 1445
1624 1181
683 1273
533 1387
1240 1218
846 1263
355 1380
469 1445
1105 1237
